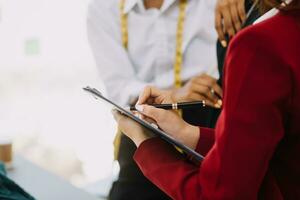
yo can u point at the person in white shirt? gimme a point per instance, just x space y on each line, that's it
170 44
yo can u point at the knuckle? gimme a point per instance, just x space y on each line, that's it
206 90
190 91
226 4
223 4
212 82
238 25
193 80
218 26
235 20
146 110
231 31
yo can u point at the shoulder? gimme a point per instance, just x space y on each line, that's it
277 35
273 31
110 5
103 11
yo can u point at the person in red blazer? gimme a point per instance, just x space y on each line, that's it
254 152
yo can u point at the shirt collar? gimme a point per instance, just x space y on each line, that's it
130 4
266 16
270 13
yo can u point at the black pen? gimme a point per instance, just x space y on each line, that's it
176 106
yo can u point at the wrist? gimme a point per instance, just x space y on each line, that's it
190 136
141 138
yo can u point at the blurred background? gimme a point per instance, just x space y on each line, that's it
45 60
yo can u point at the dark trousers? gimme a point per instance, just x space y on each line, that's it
131 184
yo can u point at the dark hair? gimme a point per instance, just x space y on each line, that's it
265 5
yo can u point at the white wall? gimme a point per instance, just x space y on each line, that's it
41 94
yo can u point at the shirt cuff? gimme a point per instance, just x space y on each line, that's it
206 141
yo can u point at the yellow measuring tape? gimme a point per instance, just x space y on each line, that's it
178 54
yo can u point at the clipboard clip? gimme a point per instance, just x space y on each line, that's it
92 91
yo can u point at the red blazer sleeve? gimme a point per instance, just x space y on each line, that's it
257 84
206 142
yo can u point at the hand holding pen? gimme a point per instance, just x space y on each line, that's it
154 96
174 106
200 87
162 99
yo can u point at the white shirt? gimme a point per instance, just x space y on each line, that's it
267 15
151 44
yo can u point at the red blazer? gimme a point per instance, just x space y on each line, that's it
254 152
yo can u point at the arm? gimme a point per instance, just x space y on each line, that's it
112 60
248 131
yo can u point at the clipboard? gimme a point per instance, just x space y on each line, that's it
156 131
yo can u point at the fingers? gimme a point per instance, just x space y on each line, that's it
208 101
229 18
117 115
217 89
241 10
211 83
148 94
219 28
208 88
156 114
236 21
228 24
149 120
205 92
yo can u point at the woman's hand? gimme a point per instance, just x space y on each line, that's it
131 128
198 88
168 121
172 123
153 95
230 16
202 87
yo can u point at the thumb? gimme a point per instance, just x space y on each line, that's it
150 111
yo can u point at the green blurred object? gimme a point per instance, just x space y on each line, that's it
32 47
9 190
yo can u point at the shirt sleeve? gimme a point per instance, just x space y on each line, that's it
250 127
115 67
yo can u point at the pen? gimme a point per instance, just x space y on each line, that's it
176 106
